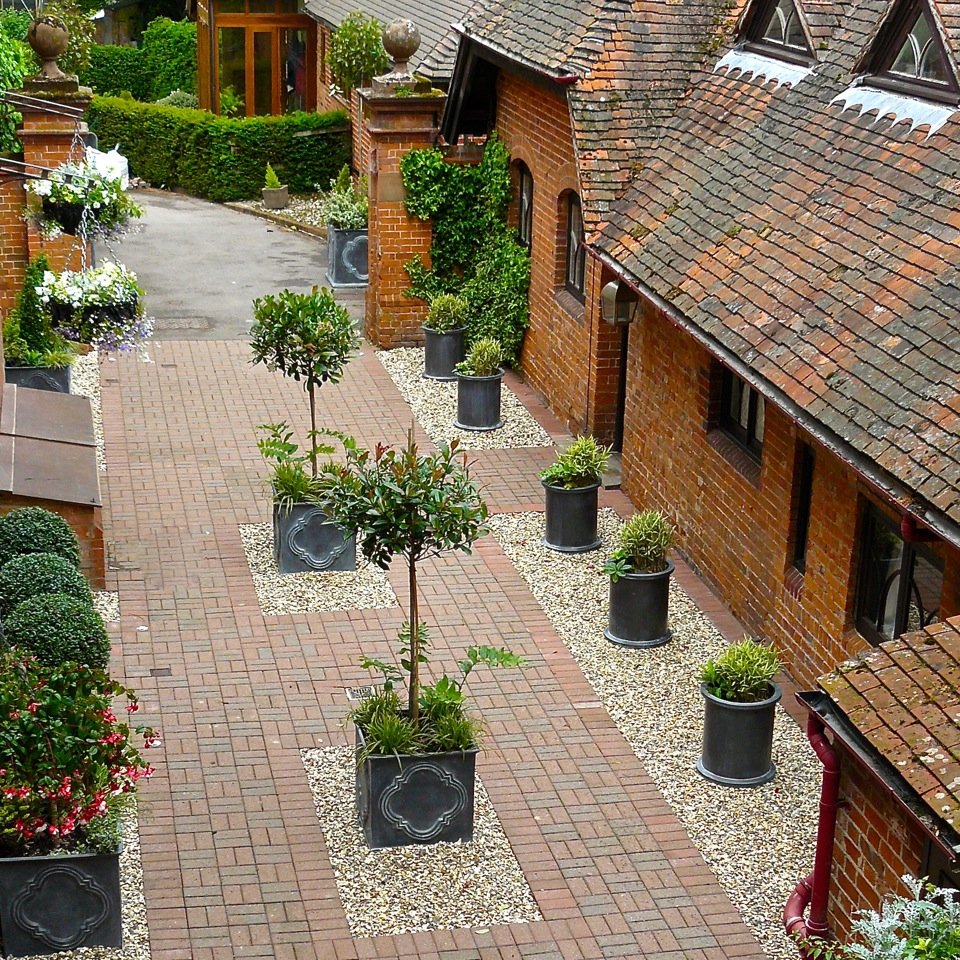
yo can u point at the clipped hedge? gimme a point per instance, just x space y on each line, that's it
169 52
35 530
58 629
116 70
219 158
32 574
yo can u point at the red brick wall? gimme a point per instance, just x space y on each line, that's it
875 845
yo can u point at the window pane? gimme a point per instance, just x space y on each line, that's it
232 55
880 580
783 27
758 427
919 57
263 73
926 587
229 6
293 54
576 254
262 6
525 206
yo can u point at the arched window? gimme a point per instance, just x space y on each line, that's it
576 251
524 205
774 29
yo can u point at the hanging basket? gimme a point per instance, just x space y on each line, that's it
92 320
68 216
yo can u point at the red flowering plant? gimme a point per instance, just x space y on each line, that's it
66 760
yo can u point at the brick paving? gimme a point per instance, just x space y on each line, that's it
234 860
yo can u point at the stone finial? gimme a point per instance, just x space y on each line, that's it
401 40
49 39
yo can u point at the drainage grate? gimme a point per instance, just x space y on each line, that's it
161 672
360 693
182 323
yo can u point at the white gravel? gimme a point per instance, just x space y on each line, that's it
85 382
759 842
107 604
406 889
305 209
367 588
434 404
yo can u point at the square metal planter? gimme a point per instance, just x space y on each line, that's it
55 379
347 258
305 541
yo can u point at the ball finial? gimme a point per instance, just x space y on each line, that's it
401 40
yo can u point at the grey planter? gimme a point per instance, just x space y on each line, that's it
738 740
48 904
403 800
304 541
442 352
347 259
478 402
571 517
56 379
275 198
638 609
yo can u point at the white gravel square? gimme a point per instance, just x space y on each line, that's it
107 604
439 886
85 382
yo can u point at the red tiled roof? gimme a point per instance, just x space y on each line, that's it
904 698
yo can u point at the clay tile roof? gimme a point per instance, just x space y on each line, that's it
820 246
904 698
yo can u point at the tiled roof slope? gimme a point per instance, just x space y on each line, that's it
904 698
434 20
819 246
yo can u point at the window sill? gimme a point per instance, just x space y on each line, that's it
570 304
735 455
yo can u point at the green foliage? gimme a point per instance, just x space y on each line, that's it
219 158
14 64
57 628
112 70
169 51
346 205
270 180
580 465
231 103
35 530
447 312
290 481
644 541
742 673
356 52
483 359
32 574
180 98
28 338
82 33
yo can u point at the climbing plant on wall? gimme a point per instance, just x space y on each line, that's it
473 252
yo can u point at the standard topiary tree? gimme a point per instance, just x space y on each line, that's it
32 574
35 530
356 52
56 629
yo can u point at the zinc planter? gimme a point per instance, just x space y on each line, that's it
54 903
571 518
478 402
638 609
347 260
403 800
738 740
55 379
442 352
304 541
275 198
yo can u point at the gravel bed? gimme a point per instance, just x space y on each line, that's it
759 842
136 936
365 589
303 209
107 604
85 382
434 404
402 890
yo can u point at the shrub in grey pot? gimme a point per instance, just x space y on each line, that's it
415 759
345 209
640 582
310 338
740 702
479 380
274 194
443 336
570 487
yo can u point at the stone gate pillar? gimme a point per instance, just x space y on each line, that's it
401 113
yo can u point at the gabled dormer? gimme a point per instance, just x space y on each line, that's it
775 28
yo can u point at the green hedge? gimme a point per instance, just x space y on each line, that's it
116 70
218 158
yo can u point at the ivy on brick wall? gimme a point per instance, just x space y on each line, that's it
219 158
473 252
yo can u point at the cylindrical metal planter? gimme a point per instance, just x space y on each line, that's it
738 740
478 402
639 605
442 352
571 518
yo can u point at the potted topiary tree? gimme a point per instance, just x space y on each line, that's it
55 628
640 582
479 379
274 193
570 486
310 338
416 761
740 704
67 764
443 336
346 208
35 530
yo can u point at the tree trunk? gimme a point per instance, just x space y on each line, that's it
313 428
413 702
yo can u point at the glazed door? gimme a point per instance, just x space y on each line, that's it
262 74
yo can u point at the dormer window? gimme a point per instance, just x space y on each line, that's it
909 56
774 29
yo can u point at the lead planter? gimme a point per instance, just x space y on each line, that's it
347 258
55 379
442 352
638 609
305 541
403 800
571 517
54 903
478 402
738 740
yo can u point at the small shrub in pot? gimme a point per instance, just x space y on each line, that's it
482 360
479 379
447 312
742 673
644 541
35 530
444 332
580 465
274 194
32 574
571 486
57 628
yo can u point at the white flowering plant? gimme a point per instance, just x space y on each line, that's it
77 198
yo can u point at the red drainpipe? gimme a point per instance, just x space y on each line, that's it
815 889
